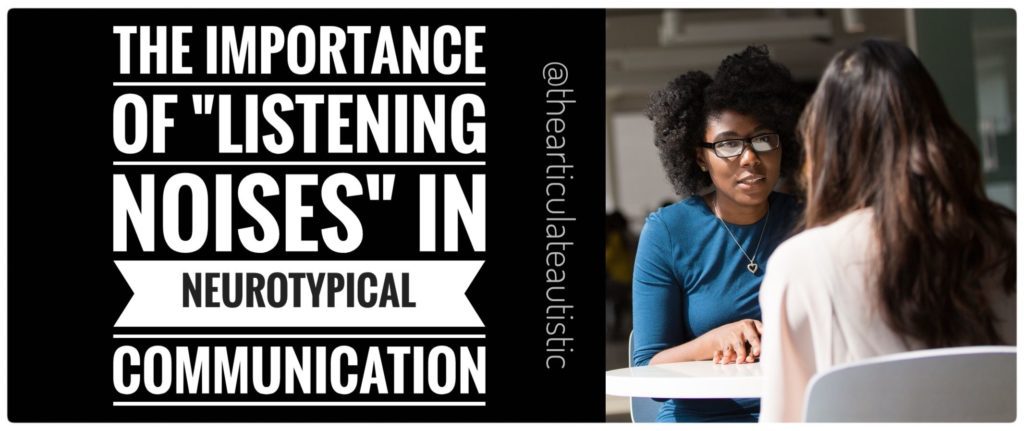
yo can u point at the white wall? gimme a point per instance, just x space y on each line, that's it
642 181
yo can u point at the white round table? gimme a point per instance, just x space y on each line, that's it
697 379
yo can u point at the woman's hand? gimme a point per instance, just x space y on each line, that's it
737 342
726 343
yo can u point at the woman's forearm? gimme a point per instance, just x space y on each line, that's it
698 349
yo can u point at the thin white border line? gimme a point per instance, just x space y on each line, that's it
339 336
298 84
295 403
351 163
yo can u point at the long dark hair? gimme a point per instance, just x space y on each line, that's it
878 135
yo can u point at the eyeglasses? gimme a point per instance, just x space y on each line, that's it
734 147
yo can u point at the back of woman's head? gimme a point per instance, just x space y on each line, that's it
877 134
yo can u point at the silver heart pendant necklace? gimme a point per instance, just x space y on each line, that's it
752 266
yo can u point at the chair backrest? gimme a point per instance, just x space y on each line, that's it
641 409
961 384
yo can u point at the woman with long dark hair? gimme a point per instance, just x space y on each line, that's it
724 143
903 250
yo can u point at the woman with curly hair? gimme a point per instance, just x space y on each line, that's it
903 250
724 143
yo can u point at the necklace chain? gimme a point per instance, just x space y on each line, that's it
756 248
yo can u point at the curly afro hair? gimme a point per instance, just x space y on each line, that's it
748 83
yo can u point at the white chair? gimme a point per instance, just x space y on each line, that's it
641 409
961 384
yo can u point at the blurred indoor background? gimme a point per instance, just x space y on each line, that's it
970 53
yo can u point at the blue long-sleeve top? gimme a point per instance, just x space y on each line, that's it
690 277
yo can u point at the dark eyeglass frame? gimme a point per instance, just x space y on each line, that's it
746 142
